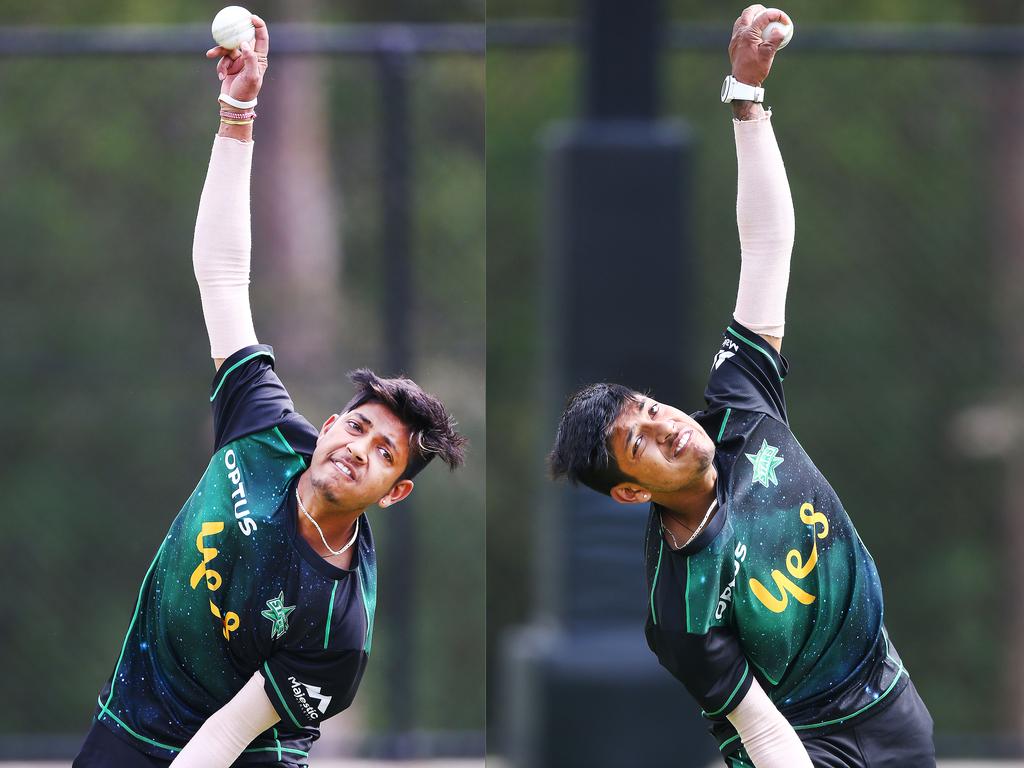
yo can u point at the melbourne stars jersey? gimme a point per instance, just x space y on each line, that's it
779 586
234 589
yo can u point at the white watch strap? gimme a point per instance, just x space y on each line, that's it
734 90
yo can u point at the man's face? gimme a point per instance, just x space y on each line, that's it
359 457
660 446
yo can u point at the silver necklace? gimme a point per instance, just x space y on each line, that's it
309 517
697 530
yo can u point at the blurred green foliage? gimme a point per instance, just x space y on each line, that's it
891 328
106 364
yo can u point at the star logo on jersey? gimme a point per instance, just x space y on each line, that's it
720 357
277 614
765 462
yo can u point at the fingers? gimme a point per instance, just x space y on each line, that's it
766 16
747 16
248 59
217 50
226 66
262 42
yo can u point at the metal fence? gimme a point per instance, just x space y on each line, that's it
368 250
903 156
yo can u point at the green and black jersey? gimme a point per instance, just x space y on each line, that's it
779 587
234 589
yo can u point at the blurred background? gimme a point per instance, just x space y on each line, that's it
368 216
900 127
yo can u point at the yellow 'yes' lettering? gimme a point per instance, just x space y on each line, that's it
229 621
796 566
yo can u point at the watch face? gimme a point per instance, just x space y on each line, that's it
726 88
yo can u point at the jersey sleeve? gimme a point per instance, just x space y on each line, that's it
711 666
247 397
747 374
308 687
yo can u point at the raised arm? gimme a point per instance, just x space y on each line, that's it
764 207
223 241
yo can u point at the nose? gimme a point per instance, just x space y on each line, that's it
665 430
357 449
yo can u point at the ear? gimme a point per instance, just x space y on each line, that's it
399 491
625 493
327 425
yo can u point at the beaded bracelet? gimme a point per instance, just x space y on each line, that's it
235 122
248 115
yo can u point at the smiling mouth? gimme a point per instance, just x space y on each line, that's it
681 442
344 469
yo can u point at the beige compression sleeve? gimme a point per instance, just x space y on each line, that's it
221 247
767 736
229 730
764 215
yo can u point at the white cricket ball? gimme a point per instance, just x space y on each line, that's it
770 33
232 26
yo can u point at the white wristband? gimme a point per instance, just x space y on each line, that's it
232 101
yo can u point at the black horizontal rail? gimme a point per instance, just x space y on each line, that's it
287 38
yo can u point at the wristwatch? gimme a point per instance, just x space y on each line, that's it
734 90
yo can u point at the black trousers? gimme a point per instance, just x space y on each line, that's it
102 749
900 736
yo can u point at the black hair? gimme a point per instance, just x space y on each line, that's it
581 453
431 429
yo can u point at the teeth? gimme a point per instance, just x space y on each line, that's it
343 468
682 441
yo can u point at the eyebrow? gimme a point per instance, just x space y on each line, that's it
369 425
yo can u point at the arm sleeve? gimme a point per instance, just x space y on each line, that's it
767 736
747 374
248 397
766 222
221 247
226 733
308 687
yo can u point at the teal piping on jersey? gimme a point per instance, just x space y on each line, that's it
767 677
865 708
277 741
369 605
838 720
279 749
138 604
759 348
661 548
292 451
140 737
686 594
330 612
277 690
725 421
229 370
743 679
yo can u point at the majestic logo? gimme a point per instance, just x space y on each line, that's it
720 357
765 462
277 613
313 691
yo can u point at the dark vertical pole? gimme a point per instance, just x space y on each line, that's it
396 226
581 687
